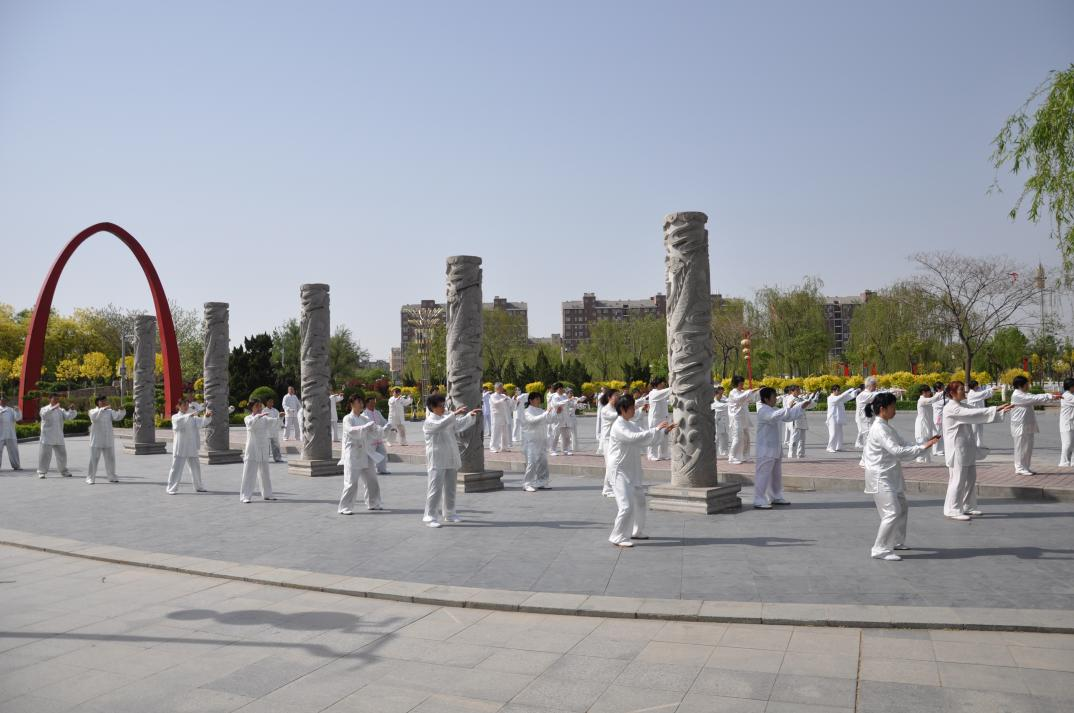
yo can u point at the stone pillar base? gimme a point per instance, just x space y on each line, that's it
230 455
145 449
479 482
314 468
704 501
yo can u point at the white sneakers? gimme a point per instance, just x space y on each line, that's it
454 518
625 543
890 557
433 523
346 511
959 517
529 489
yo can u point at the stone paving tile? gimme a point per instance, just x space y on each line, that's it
623 698
978 677
734 684
921 673
561 693
378 698
660 676
703 703
739 659
814 690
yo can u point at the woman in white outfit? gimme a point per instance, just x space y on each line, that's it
836 416
519 402
1024 426
719 407
625 444
186 442
925 423
658 398
397 406
608 416
884 448
360 457
768 470
535 422
1066 425
961 452
258 453
738 420
442 458
500 405
102 442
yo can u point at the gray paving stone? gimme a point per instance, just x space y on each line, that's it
734 684
814 690
878 697
660 676
621 698
561 693
258 678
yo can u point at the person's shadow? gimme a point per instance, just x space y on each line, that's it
958 553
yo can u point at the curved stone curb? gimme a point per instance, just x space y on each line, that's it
839 615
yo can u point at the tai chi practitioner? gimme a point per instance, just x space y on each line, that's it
976 397
1066 425
865 397
374 415
258 452
186 443
9 438
500 404
397 406
292 410
102 440
768 473
557 436
658 398
360 457
719 406
884 448
608 416
1024 423
442 457
571 416
486 410
799 426
738 420
334 400
624 447
939 388
535 422
925 423
836 416
961 452
274 434
786 401
519 403
51 440
598 402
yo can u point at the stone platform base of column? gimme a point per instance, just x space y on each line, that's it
145 449
314 468
479 482
231 455
704 501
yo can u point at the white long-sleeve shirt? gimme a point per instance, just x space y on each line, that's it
291 403
1066 412
441 443
397 406
925 423
9 416
959 442
500 407
836 413
187 434
977 397
769 442
1023 420
623 449
535 424
658 405
360 434
100 431
884 449
52 418
802 422
258 427
738 407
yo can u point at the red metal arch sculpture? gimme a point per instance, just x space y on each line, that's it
35 339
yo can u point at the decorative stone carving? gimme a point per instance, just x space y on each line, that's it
317 417
145 350
464 326
217 446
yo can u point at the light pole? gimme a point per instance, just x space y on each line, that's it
424 320
1041 282
749 357
123 365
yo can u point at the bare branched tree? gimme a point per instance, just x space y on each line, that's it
974 296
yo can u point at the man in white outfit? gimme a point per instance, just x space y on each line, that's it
51 441
274 434
374 415
186 442
976 397
1066 425
518 404
799 426
608 417
9 438
442 457
836 416
1024 423
786 400
102 440
500 405
359 458
292 409
768 473
397 406
559 435
738 420
486 397
719 407
258 452
334 399
658 398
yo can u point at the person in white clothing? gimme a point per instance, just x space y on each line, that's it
9 437
799 426
608 415
976 397
334 399
836 416
786 400
397 406
884 448
738 420
486 410
960 450
558 435
658 398
442 457
719 407
359 456
598 425
500 404
768 472
939 388
570 415
102 441
292 412
1066 425
535 422
258 452
374 415
51 440
925 423
186 443
518 403
868 392
624 445
1024 423
274 434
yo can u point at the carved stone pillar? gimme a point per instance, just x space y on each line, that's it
464 326
693 486
145 380
217 446
316 415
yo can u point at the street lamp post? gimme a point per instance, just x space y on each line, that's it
749 357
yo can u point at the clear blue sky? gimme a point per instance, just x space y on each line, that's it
254 146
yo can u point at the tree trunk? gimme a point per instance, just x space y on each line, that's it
969 363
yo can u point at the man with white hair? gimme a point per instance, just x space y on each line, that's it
397 406
500 405
292 408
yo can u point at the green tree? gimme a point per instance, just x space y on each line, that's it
437 356
250 366
728 328
1043 145
503 339
286 354
603 351
96 367
789 325
345 356
68 371
895 330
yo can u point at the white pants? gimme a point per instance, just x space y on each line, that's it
501 435
788 433
12 447
796 446
109 463
516 430
1066 449
1023 452
175 475
536 475
835 436
45 457
254 470
335 430
961 490
561 436
978 434
768 478
863 433
609 475
292 429
382 464
660 449
274 444
441 496
740 444
723 439
370 487
630 519
893 510
399 436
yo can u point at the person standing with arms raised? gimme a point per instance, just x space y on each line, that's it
442 457
9 437
738 419
961 452
626 440
1024 426
186 427
258 453
51 440
102 440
